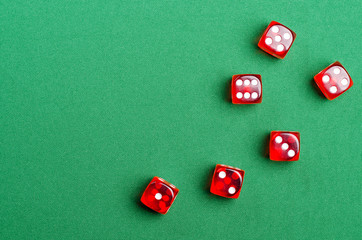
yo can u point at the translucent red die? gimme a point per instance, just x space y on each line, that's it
333 80
246 89
159 195
277 40
284 146
227 181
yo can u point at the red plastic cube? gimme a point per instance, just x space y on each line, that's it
284 146
277 40
333 80
159 195
246 89
227 181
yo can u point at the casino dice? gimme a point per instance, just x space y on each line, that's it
277 40
284 146
227 181
159 195
246 89
333 80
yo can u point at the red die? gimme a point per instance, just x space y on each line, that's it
246 89
159 195
333 80
227 181
277 40
284 146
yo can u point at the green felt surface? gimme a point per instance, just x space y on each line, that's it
97 97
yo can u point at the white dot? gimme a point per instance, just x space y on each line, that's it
254 95
232 190
344 81
285 146
286 36
247 95
275 29
268 41
278 38
333 89
336 70
239 82
291 153
278 139
222 174
280 48
158 196
325 78
239 95
254 82
246 82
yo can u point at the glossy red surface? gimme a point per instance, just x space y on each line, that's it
227 181
284 146
277 40
159 195
333 80
246 89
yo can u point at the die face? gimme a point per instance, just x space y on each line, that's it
227 181
333 80
159 195
277 40
284 146
246 89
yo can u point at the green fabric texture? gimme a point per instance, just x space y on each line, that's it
97 97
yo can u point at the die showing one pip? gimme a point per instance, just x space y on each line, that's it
277 40
246 89
159 195
227 181
333 80
284 146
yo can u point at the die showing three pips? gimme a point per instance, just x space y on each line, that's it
247 89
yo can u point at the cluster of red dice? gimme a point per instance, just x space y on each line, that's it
277 41
247 89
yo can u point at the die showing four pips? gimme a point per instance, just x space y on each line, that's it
247 89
